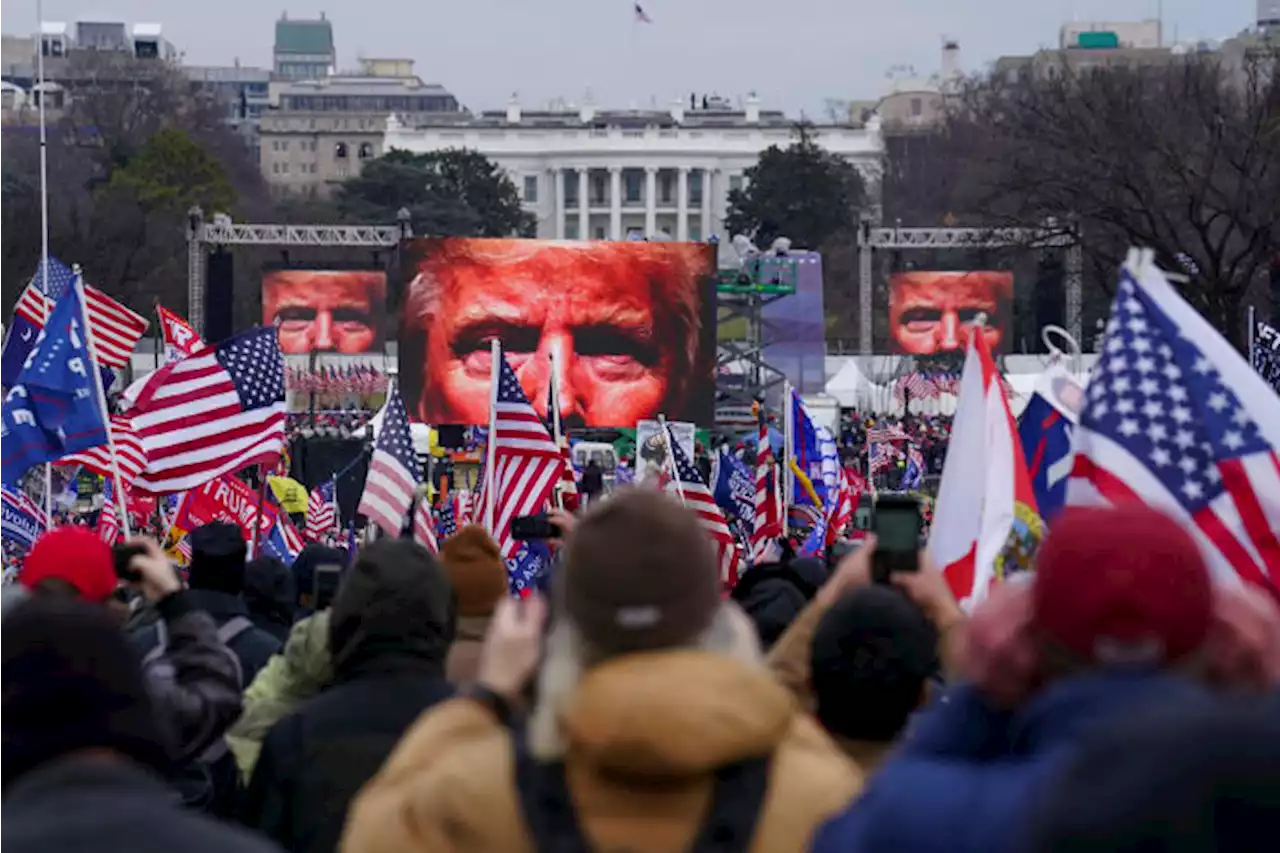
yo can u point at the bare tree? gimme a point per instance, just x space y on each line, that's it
1183 158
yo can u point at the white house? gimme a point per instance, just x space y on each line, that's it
612 174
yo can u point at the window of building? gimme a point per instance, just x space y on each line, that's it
695 189
917 106
284 168
571 229
275 168
284 145
571 188
634 186
340 150
667 186
735 182
366 150
597 190
695 231
531 188
599 232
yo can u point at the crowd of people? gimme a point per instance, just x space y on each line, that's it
1116 699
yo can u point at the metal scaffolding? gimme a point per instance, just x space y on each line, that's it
202 236
744 294
871 238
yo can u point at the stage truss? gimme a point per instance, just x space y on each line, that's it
743 295
872 238
203 236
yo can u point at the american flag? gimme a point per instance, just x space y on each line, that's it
116 329
447 523
184 548
882 457
322 511
767 523
848 492
696 495
461 507
289 533
129 453
108 522
922 385
641 16
212 413
527 463
882 433
1175 418
424 527
394 471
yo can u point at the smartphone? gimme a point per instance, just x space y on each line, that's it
896 522
123 555
324 584
534 527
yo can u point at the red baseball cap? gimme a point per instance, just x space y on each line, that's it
75 555
1122 585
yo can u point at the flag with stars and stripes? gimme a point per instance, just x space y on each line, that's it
212 413
116 329
1176 418
322 511
129 453
394 471
693 491
108 521
527 463
424 527
447 522
29 316
766 508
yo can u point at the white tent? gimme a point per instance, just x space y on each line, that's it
849 386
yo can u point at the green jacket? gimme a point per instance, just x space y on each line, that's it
288 679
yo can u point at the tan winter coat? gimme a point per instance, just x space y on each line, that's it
674 716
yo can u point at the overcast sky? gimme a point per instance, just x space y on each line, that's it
793 53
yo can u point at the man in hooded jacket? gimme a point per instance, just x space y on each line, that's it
389 631
656 725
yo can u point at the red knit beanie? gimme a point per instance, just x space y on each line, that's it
76 556
1122 585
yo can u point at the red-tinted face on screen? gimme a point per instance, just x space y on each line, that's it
325 310
619 323
931 312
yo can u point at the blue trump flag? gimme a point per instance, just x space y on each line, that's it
1045 431
275 545
53 408
24 330
735 493
23 521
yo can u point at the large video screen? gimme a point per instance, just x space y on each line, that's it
632 327
929 310
326 310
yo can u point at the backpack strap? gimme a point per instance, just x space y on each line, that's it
234 627
728 827
162 644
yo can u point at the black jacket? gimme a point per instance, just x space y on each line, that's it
389 631
253 648
773 594
316 760
80 805
203 697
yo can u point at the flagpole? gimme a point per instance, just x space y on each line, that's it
491 448
553 411
78 283
1251 333
788 434
44 227
671 455
257 516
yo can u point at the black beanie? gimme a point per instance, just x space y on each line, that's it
218 553
71 682
873 652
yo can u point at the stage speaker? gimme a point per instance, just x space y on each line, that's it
219 296
452 437
1049 299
